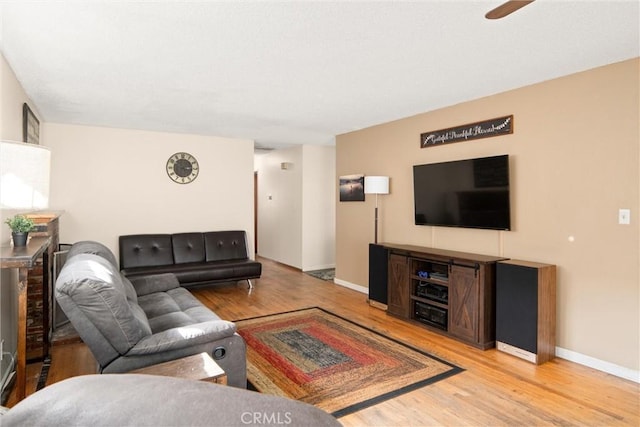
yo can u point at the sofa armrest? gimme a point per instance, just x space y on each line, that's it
182 337
145 285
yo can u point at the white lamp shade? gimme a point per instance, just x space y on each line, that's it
376 185
24 175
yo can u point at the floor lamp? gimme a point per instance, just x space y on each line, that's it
376 185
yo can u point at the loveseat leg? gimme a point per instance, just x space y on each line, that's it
250 285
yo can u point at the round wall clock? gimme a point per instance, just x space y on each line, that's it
182 168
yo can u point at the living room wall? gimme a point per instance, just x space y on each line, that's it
279 202
112 182
296 206
318 207
574 162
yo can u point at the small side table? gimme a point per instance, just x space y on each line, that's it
200 367
23 258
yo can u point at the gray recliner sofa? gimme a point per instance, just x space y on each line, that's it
131 324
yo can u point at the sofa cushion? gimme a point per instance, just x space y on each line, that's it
141 317
140 250
96 287
225 245
202 272
149 284
187 247
129 290
174 308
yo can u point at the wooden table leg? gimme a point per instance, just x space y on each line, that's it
21 364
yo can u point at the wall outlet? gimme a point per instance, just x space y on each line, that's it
624 216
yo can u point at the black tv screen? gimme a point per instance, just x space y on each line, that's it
471 193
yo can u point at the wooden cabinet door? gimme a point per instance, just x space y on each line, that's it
398 300
463 303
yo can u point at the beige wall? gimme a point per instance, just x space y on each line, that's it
574 162
280 206
318 207
12 98
112 182
296 206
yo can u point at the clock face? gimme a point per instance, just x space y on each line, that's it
182 168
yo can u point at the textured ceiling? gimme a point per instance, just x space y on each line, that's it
294 72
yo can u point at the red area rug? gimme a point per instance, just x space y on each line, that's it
330 362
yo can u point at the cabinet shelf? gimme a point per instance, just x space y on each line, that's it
432 280
457 297
430 301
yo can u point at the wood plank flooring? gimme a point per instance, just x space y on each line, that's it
495 388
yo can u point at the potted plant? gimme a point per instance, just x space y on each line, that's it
20 227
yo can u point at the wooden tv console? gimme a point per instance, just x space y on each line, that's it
446 291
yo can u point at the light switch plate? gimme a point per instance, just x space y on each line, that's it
624 216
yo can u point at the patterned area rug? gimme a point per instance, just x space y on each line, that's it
325 274
330 362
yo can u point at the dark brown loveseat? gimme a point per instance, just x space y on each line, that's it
195 258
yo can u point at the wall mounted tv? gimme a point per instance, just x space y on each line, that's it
471 193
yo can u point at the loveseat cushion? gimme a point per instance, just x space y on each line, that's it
202 272
187 247
95 286
225 245
145 250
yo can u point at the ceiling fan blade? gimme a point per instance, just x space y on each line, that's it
506 8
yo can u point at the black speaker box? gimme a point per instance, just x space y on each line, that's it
526 309
517 306
378 271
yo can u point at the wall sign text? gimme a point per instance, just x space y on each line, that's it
484 129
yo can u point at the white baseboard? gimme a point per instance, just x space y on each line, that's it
572 356
319 267
350 285
600 365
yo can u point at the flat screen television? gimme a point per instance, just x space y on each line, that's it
472 193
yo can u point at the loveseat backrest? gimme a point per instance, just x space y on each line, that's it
92 247
188 247
226 245
143 250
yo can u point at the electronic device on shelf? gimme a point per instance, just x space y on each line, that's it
439 276
431 315
433 292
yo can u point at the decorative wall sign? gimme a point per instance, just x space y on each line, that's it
30 126
485 129
352 188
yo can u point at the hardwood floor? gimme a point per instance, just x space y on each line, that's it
494 389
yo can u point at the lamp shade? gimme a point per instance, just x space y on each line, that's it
376 185
24 175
